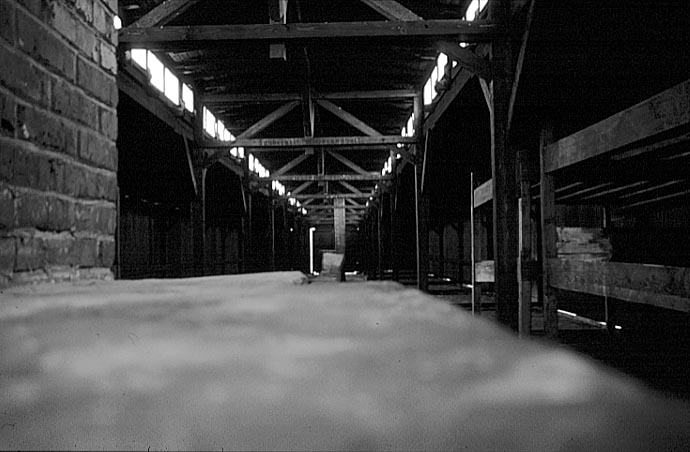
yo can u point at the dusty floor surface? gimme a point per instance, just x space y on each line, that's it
266 362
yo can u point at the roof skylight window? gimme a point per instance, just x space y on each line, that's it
139 57
172 87
157 71
188 98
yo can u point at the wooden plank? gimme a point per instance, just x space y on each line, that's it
180 37
350 187
334 206
583 242
152 102
374 176
391 10
525 277
466 58
301 188
291 164
548 236
459 81
267 121
484 271
293 142
421 201
347 162
163 13
333 196
348 118
664 112
519 64
484 193
376 94
656 285
211 99
475 251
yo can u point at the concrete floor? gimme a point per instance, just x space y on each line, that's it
266 361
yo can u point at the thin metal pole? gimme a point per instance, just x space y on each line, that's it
416 225
273 235
473 271
203 220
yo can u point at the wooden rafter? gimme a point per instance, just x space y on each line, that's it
374 176
268 120
349 163
301 188
351 188
466 58
392 10
375 94
163 13
172 37
291 164
293 142
348 196
210 99
348 118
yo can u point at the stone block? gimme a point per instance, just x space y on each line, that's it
84 252
8 253
84 8
23 78
58 249
34 39
30 253
332 265
97 150
109 123
73 104
108 58
7 219
7 153
106 253
7 21
98 219
8 115
96 81
44 129
31 211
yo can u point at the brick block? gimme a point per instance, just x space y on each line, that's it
101 17
97 82
7 156
87 41
98 150
8 254
34 39
22 78
60 214
31 211
25 172
45 129
85 9
108 58
7 219
58 249
68 101
7 21
106 253
31 253
8 115
64 22
84 252
107 187
95 219
109 123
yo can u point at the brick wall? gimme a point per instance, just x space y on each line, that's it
58 160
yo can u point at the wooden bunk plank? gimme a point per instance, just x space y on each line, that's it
484 193
655 285
661 113
484 271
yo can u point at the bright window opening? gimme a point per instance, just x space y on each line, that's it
428 94
117 22
209 122
188 98
172 87
157 71
139 57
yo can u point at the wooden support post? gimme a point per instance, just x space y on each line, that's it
548 237
505 212
204 252
339 224
421 202
475 252
379 260
273 232
525 276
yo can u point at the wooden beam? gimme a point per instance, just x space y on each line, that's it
525 275
363 95
348 118
392 10
293 142
291 164
347 162
374 176
549 237
301 188
459 81
475 249
339 148
519 64
466 58
339 224
350 187
661 113
331 206
348 196
163 13
151 101
267 121
181 37
211 99
484 193
656 285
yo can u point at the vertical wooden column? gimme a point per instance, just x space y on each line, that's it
505 212
421 203
395 255
273 231
548 237
379 241
475 252
196 211
525 276
204 213
339 224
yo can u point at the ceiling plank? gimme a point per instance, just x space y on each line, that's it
376 94
183 36
374 176
347 196
163 13
296 142
348 118
347 162
466 58
391 10
268 120
211 99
